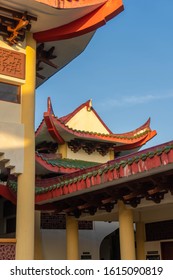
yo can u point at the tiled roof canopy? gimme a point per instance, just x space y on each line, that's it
147 174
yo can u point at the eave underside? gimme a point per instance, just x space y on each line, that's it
61 34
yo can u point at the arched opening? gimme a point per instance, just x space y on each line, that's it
110 247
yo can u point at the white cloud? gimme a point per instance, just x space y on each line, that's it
123 101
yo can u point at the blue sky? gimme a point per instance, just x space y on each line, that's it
127 71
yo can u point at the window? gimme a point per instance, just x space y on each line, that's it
9 209
159 230
9 92
11 225
9 218
58 221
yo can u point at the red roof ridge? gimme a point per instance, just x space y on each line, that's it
68 117
88 104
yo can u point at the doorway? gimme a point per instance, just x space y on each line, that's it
110 247
167 250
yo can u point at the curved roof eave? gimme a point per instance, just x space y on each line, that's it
88 23
66 27
76 33
146 133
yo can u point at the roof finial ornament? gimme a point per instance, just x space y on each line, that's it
89 105
49 106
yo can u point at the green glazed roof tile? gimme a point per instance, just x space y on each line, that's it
69 163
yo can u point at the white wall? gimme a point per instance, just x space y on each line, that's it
11 146
54 241
10 112
152 246
11 136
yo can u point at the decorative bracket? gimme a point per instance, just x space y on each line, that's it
14 25
44 56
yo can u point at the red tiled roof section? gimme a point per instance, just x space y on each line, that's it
125 167
155 159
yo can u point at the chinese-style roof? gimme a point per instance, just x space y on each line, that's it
147 174
88 105
62 29
61 130
51 164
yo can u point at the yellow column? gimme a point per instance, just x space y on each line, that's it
62 149
111 154
72 242
127 240
26 181
140 241
38 252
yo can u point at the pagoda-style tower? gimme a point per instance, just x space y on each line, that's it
82 134
37 39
